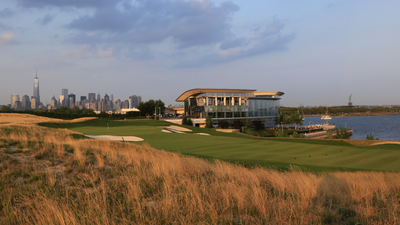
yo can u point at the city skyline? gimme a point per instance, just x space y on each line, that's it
69 100
318 53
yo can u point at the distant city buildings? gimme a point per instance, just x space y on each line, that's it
69 100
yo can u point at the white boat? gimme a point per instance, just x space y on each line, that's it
326 116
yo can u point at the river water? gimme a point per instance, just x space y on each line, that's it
382 127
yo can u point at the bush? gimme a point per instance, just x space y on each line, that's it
342 133
189 122
258 125
237 124
280 133
297 135
329 134
247 123
184 121
224 124
371 137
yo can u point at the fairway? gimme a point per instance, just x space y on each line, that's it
315 155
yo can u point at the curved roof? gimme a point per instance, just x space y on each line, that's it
268 93
197 91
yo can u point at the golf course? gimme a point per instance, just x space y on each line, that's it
280 153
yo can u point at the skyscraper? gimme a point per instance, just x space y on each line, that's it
25 103
14 98
65 93
36 89
134 101
92 97
53 103
71 100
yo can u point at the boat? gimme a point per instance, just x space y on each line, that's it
326 116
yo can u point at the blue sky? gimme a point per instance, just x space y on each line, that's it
317 52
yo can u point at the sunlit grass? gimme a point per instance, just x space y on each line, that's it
54 178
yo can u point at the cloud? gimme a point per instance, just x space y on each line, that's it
268 40
5 13
106 53
5 27
88 51
65 3
7 38
232 43
84 52
47 19
143 30
188 23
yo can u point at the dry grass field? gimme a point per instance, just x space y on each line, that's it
54 176
27 119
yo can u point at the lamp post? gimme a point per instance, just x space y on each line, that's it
309 125
282 126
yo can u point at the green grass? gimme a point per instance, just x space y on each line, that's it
280 153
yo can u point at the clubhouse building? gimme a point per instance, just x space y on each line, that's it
230 104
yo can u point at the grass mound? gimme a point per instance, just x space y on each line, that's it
48 176
280 153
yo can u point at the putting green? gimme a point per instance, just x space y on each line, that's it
316 155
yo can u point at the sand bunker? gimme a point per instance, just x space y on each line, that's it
115 138
203 134
166 131
179 129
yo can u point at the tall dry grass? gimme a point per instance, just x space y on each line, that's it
49 177
27 119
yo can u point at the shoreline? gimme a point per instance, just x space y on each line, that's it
355 114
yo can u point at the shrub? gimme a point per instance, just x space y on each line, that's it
342 133
297 135
184 121
247 123
189 122
258 125
237 124
371 137
329 134
280 133
224 124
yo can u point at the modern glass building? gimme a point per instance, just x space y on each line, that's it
231 103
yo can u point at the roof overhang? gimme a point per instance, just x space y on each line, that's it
269 93
263 98
197 91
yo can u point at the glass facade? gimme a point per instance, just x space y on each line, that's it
234 105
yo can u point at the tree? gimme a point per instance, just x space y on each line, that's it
287 120
296 119
159 105
150 107
278 119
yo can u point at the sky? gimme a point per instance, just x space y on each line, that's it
316 52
